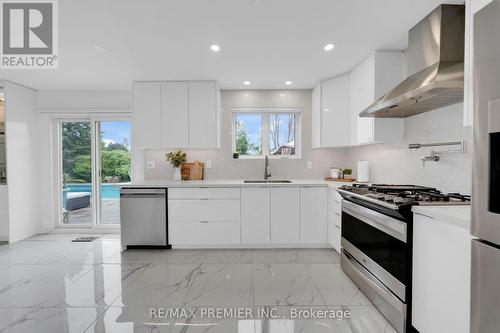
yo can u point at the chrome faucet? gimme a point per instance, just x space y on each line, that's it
267 172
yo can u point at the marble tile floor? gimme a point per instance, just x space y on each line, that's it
48 284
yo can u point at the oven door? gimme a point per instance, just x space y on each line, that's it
379 243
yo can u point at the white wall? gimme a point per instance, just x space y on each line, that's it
73 101
394 163
4 213
23 177
224 166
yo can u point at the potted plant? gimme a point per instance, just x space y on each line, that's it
348 173
176 158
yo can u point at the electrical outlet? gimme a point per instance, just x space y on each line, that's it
151 164
208 164
309 164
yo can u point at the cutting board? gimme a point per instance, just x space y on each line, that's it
343 180
186 170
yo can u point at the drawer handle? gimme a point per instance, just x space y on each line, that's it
429 217
203 221
203 198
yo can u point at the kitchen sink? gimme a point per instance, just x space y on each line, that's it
267 181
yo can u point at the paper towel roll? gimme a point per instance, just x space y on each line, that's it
363 172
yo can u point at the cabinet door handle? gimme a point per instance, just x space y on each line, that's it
337 214
336 226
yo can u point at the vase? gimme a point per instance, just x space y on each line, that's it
177 174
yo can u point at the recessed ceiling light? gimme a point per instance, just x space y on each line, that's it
329 47
215 47
246 83
288 83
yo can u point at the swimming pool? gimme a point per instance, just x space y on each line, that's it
108 191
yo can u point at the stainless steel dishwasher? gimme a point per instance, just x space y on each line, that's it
143 214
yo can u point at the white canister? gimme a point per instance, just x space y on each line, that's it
335 172
363 172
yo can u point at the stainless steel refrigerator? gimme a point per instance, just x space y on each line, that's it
485 279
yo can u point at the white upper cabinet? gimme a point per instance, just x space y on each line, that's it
471 7
174 114
177 114
337 102
147 115
203 115
371 79
316 116
330 112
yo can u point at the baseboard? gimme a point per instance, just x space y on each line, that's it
253 246
85 231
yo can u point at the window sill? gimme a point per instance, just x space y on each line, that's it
261 157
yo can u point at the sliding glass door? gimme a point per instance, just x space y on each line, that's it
114 167
77 179
94 158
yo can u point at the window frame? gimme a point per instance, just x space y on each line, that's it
265 130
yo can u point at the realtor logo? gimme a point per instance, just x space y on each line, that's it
29 34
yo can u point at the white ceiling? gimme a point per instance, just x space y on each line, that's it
264 41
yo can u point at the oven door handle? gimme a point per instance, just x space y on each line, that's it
389 225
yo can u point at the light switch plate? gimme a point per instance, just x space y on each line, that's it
309 164
208 164
151 164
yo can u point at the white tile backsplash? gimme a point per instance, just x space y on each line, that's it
389 162
394 163
223 164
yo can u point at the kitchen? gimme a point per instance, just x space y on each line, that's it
332 186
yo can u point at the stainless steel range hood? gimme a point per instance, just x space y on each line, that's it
435 57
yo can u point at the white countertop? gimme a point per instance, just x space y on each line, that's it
459 215
223 183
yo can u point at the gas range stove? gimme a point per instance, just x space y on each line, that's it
397 196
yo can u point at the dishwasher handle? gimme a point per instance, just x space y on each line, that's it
143 192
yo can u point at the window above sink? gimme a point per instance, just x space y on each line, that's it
260 132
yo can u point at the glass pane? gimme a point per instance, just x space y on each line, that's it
248 134
77 172
115 167
282 134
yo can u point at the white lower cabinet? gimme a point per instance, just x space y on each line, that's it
204 232
285 215
255 215
204 216
441 276
259 215
334 218
313 211
204 209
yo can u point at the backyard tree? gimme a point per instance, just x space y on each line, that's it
243 145
77 161
76 141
